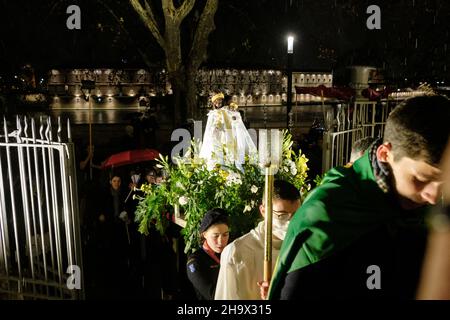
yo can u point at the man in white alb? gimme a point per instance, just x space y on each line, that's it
241 262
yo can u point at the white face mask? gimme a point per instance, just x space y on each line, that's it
279 228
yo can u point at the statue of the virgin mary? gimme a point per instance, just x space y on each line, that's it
226 140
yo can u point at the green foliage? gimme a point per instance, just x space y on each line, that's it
151 208
196 189
318 179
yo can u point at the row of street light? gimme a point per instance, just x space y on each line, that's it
87 86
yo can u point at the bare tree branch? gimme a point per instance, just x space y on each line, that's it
205 26
121 26
149 10
184 9
181 71
52 9
149 21
168 8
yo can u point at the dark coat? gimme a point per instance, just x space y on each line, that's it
203 272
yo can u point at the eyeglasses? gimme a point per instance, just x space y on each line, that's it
282 215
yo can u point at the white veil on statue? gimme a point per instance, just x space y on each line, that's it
226 140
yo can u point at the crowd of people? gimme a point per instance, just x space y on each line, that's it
366 232
119 260
361 234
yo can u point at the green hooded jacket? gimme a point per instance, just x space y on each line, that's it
346 206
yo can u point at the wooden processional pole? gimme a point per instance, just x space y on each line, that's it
268 192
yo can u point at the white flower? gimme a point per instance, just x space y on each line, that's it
286 169
252 203
235 175
247 208
293 169
254 189
183 200
233 178
179 185
211 164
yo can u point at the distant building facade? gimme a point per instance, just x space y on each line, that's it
245 87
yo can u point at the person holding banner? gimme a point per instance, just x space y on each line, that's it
241 265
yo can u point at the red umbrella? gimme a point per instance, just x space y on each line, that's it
130 157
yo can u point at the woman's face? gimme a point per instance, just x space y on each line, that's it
150 179
115 183
217 237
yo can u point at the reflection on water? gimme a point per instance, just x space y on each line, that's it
97 116
256 116
111 116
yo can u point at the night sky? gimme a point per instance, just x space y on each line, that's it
330 35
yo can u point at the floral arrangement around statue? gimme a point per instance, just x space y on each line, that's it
194 187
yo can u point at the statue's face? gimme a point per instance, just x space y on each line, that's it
217 103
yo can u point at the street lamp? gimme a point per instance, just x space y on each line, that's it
290 51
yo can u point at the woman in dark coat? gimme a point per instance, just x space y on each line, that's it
203 265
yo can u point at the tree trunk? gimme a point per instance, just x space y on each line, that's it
191 95
178 113
181 70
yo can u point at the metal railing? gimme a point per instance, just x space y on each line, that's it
39 220
347 123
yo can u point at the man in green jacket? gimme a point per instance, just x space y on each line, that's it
361 233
